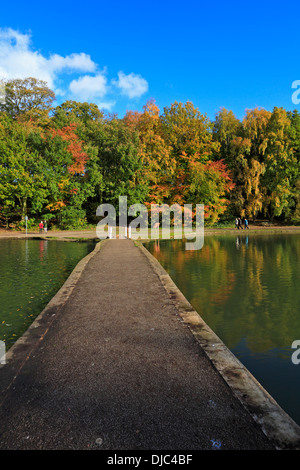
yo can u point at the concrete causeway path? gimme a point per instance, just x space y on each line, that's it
110 364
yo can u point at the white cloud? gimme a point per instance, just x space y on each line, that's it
131 85
88 87
13 37
73 62
18 59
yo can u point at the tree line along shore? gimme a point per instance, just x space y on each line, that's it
59 163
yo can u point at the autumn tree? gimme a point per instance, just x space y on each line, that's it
243 160
188 131
197 178
226 127
72 189
210 184
90 122
157 162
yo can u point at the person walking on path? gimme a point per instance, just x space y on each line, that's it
45 226
236 223
41 226
246 224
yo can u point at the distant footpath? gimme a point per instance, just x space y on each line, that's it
90 234
64 234
269 228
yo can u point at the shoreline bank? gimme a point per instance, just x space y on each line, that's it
92 235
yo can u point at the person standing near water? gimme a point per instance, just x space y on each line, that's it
45 226
41 226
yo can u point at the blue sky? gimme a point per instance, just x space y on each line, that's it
119 54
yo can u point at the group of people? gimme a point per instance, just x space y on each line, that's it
43 226
239 224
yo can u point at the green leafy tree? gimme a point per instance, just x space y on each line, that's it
120 164
281 165
22 183
246 167
27 97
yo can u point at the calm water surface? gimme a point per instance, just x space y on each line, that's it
31 272
247 289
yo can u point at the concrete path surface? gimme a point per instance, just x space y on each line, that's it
110 365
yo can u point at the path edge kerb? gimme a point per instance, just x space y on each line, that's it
25 345
275 423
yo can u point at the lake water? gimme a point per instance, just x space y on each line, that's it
247 289
31 272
